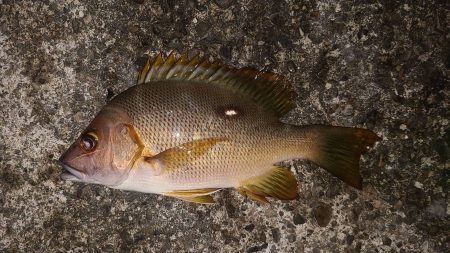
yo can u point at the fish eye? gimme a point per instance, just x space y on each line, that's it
89 141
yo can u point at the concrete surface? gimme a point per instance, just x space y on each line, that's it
375 64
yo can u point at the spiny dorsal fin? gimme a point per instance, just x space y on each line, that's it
266 88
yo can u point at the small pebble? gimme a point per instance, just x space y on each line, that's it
348 110
398 205
418 185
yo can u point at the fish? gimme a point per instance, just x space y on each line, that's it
191 127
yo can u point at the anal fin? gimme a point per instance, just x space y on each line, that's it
247 193
277 183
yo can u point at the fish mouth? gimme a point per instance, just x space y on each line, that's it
71 174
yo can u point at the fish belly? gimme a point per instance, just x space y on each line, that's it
228 164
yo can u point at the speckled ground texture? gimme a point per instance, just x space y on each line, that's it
378 64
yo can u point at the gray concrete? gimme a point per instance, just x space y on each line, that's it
378 65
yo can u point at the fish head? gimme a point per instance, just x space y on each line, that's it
105 151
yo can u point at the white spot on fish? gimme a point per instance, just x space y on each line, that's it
231 112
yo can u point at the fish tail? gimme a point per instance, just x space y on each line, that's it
338 150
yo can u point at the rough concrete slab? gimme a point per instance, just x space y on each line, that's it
383 65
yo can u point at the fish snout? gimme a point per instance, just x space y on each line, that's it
66 160
71 174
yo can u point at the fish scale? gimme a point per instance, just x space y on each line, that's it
190 128
205 98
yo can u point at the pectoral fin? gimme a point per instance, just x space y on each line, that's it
277 183
180 156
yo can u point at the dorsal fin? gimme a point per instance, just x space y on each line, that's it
268 89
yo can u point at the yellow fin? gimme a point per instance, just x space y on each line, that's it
191 193
246 193
182 155
205 199
268 89
277 183
195 195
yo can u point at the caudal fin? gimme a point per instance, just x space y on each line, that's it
338 150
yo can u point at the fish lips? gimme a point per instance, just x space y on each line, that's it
71 174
